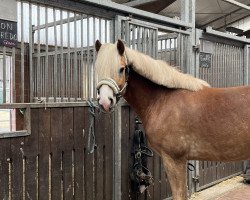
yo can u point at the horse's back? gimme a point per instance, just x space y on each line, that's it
222 121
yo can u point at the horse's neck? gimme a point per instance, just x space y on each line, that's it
142 94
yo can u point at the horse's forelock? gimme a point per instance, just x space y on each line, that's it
107 61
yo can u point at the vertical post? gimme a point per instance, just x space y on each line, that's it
68 66
117 137
185 10
13 70
88 80
82 91
188 15
39 71
4 76
192 42
246 64
46 86
198 35
56 74
62 65
75 67
93 91
22 54
31 53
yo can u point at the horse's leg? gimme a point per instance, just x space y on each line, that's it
177 176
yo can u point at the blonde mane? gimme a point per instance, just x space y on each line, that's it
158 71
162 73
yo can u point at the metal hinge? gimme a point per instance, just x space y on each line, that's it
196 179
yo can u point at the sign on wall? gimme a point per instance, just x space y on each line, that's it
8 33
205 59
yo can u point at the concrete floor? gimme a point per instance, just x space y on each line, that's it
231 189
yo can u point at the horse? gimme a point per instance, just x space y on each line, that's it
183 117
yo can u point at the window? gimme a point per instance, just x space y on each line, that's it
7 116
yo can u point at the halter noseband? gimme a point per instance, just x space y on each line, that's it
113 85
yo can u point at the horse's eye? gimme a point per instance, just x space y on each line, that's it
121 70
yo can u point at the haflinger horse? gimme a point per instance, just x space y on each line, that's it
183 117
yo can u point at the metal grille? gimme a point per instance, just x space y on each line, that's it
63 64
140 37
227 67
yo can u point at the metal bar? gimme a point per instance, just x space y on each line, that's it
65 51
39 74
133 36
136 12
170 51
56 74
4 76
185 10
155 43
238 4
13 79
93 83
210 31
46 86
127 33
106 31
154 26
75 71
30 54
150 42
88 80
81 88
22 54
43 105
100 31
56 23
136 3
62 71
99 8
143 40
68 79
246 64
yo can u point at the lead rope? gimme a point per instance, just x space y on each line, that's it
91 137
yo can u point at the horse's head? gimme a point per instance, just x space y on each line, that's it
112 71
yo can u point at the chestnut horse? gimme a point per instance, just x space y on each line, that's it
184 118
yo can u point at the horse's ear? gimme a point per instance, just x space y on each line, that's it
120 47
98 45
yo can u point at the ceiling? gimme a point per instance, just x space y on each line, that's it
215 13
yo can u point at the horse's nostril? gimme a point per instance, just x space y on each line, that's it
111 101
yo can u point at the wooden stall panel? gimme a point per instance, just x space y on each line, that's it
44 152
54 162
56 153
4 168
160 189
31 157
80 132
211 173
